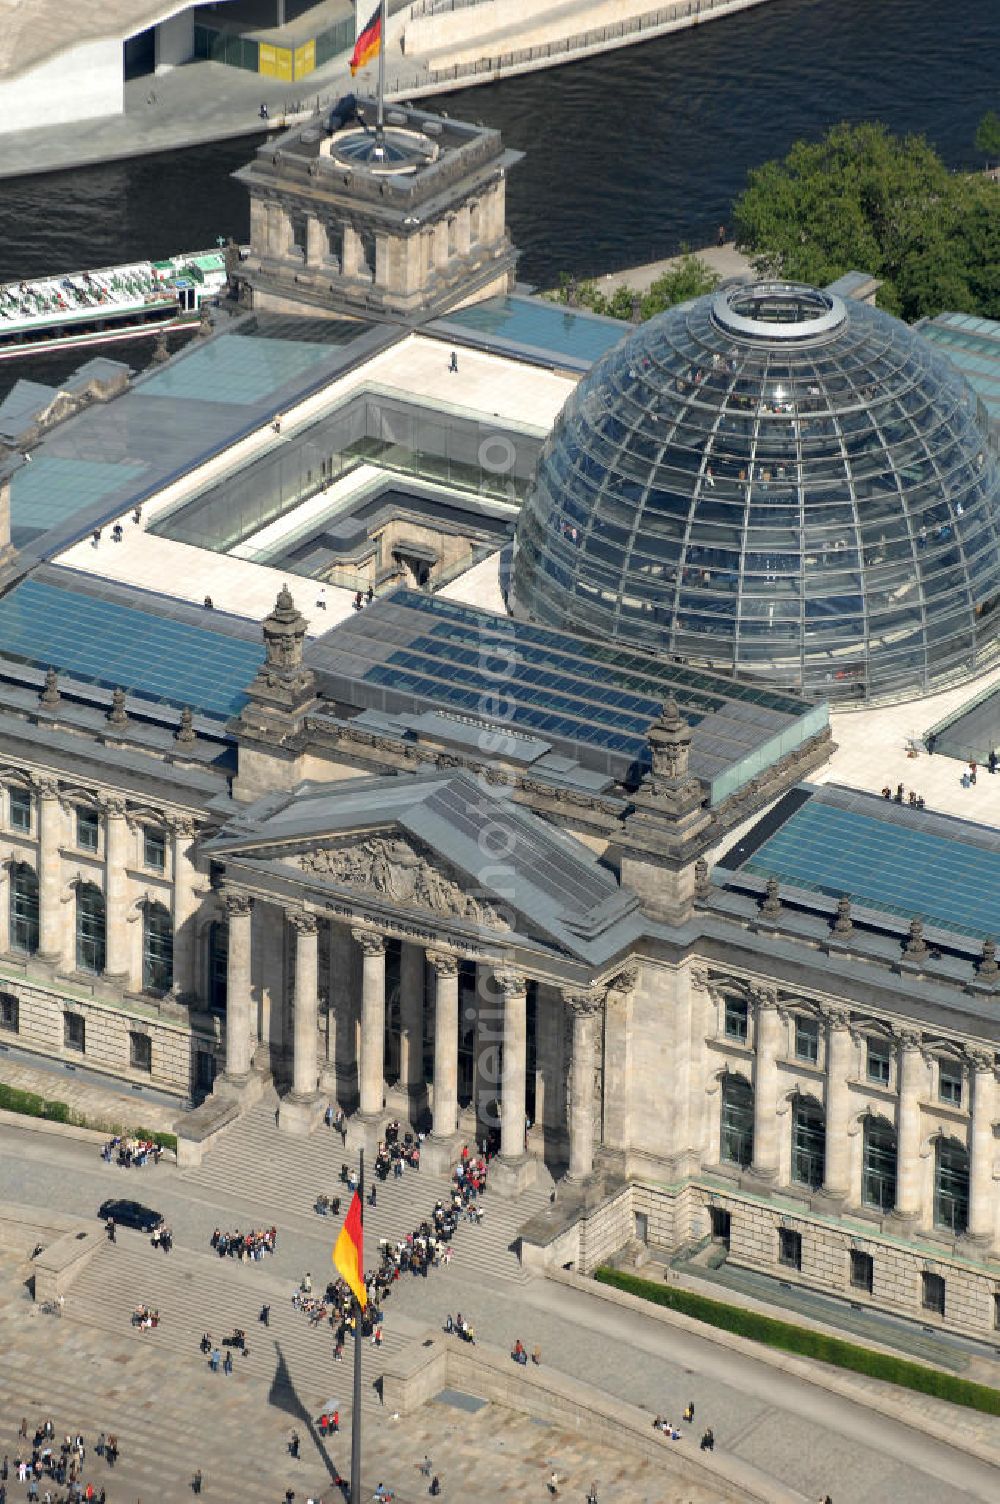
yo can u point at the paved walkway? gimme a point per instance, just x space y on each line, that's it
101 1104
725 260
763 1418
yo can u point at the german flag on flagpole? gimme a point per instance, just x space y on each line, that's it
369 43
348 1253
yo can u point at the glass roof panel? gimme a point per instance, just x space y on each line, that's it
236 369
112 644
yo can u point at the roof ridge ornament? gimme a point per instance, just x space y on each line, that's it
50 696
118 715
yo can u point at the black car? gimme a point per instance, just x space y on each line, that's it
130 1214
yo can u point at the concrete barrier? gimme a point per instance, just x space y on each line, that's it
57 1266
199 1129
435 1362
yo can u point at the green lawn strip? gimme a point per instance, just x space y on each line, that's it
807 1343
29 1104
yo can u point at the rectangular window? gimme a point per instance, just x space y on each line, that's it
736 1019
88 828
789 1248
204 1070
154 849
807 1040
140 1050
10 1012
932 1292
950 1082
74 1031
878 1061
20 809
862 1271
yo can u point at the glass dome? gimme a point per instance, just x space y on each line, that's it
778 482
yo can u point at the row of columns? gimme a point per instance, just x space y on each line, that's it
912 1079
512 986
56 936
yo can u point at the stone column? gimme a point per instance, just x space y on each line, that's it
340 1074
583 1007
185 904
411 1018
120 963
839 1048
767 1037
238 910
617 1051
982 1204
445 1043
912 1075
372 1063
305 1072
51 825
515 1061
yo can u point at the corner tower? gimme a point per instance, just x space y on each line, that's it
407 226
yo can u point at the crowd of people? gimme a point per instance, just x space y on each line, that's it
913 799
44 1466
245 1245
131 1153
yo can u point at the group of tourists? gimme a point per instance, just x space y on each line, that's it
131 1152
145 1318
245 1245
43 1466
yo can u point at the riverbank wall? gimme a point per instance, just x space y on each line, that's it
464 42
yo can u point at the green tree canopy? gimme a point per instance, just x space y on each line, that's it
863 199
988 136
688 277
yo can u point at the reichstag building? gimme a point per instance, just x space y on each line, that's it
461 708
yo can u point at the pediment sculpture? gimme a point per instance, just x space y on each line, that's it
391 868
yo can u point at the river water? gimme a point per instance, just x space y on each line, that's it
628 156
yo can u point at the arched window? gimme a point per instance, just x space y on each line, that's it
808 1142
736 1147
91 944
23 908
878 1179
218 965
157 948
951 1185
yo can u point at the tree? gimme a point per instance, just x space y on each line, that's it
862 199
688 277
988 136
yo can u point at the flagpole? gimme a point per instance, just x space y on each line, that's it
380 121
356 1407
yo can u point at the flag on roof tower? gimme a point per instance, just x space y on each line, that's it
369 43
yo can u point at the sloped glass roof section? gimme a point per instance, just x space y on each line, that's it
973 345
112 644
533 326
240 370
888 858
778 482
410 652
53 489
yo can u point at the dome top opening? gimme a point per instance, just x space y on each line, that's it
778 311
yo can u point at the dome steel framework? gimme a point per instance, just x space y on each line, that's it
778 482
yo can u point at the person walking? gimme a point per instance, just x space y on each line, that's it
196 1482
708 1440
293 1445
265 1315
227 1366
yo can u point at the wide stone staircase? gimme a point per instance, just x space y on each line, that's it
284 1175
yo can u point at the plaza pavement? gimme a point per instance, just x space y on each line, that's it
155 1389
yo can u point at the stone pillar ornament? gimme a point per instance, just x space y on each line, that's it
669 740
915 946
988 970
185 731
843 924
583 1007
514 989
51 823
912 1074
445 1116
372 1063
50 696
771 905
702 883
118 715
305 1070
238 911
767 1037
119 960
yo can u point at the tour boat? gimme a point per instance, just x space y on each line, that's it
111 304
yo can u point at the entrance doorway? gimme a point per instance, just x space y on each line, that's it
721 1225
